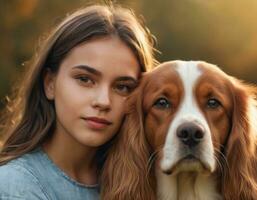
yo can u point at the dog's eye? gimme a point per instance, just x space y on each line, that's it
162 103
213 103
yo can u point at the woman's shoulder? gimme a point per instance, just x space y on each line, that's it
24 165
34 174
18 180
14 170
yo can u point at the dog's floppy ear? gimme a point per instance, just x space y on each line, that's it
124 174
240 177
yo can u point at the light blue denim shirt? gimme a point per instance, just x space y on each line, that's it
34 176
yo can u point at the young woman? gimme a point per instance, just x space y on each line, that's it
70 105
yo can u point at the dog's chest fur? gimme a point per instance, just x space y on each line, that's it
186 186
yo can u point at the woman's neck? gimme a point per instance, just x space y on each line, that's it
76 160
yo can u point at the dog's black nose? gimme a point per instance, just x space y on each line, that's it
190 134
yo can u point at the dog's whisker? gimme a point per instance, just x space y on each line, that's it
152 159
220 166
222 160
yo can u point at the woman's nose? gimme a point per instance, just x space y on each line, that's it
102 100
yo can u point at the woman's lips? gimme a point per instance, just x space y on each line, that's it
97 123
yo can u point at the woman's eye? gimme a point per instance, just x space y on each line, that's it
213 103
85 80
123 89
162 103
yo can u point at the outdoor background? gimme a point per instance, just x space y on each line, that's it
223 32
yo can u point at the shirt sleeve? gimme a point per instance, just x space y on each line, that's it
17 183
23 197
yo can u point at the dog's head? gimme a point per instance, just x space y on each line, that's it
189 116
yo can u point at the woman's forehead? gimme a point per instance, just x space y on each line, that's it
107 54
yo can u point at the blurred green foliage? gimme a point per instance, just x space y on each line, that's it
217 31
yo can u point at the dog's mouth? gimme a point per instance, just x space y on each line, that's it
188 163
190 157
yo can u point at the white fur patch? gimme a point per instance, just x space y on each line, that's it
186 186
189 182
188 112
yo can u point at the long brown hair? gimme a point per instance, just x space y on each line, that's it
29 117
126 174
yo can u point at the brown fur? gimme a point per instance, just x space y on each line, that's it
240 177
127 173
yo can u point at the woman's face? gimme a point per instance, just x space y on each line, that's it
90 89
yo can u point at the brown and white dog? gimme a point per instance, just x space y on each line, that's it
189 134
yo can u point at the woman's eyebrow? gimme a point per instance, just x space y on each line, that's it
88 69
127 78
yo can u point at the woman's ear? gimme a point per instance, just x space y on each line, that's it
49 83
